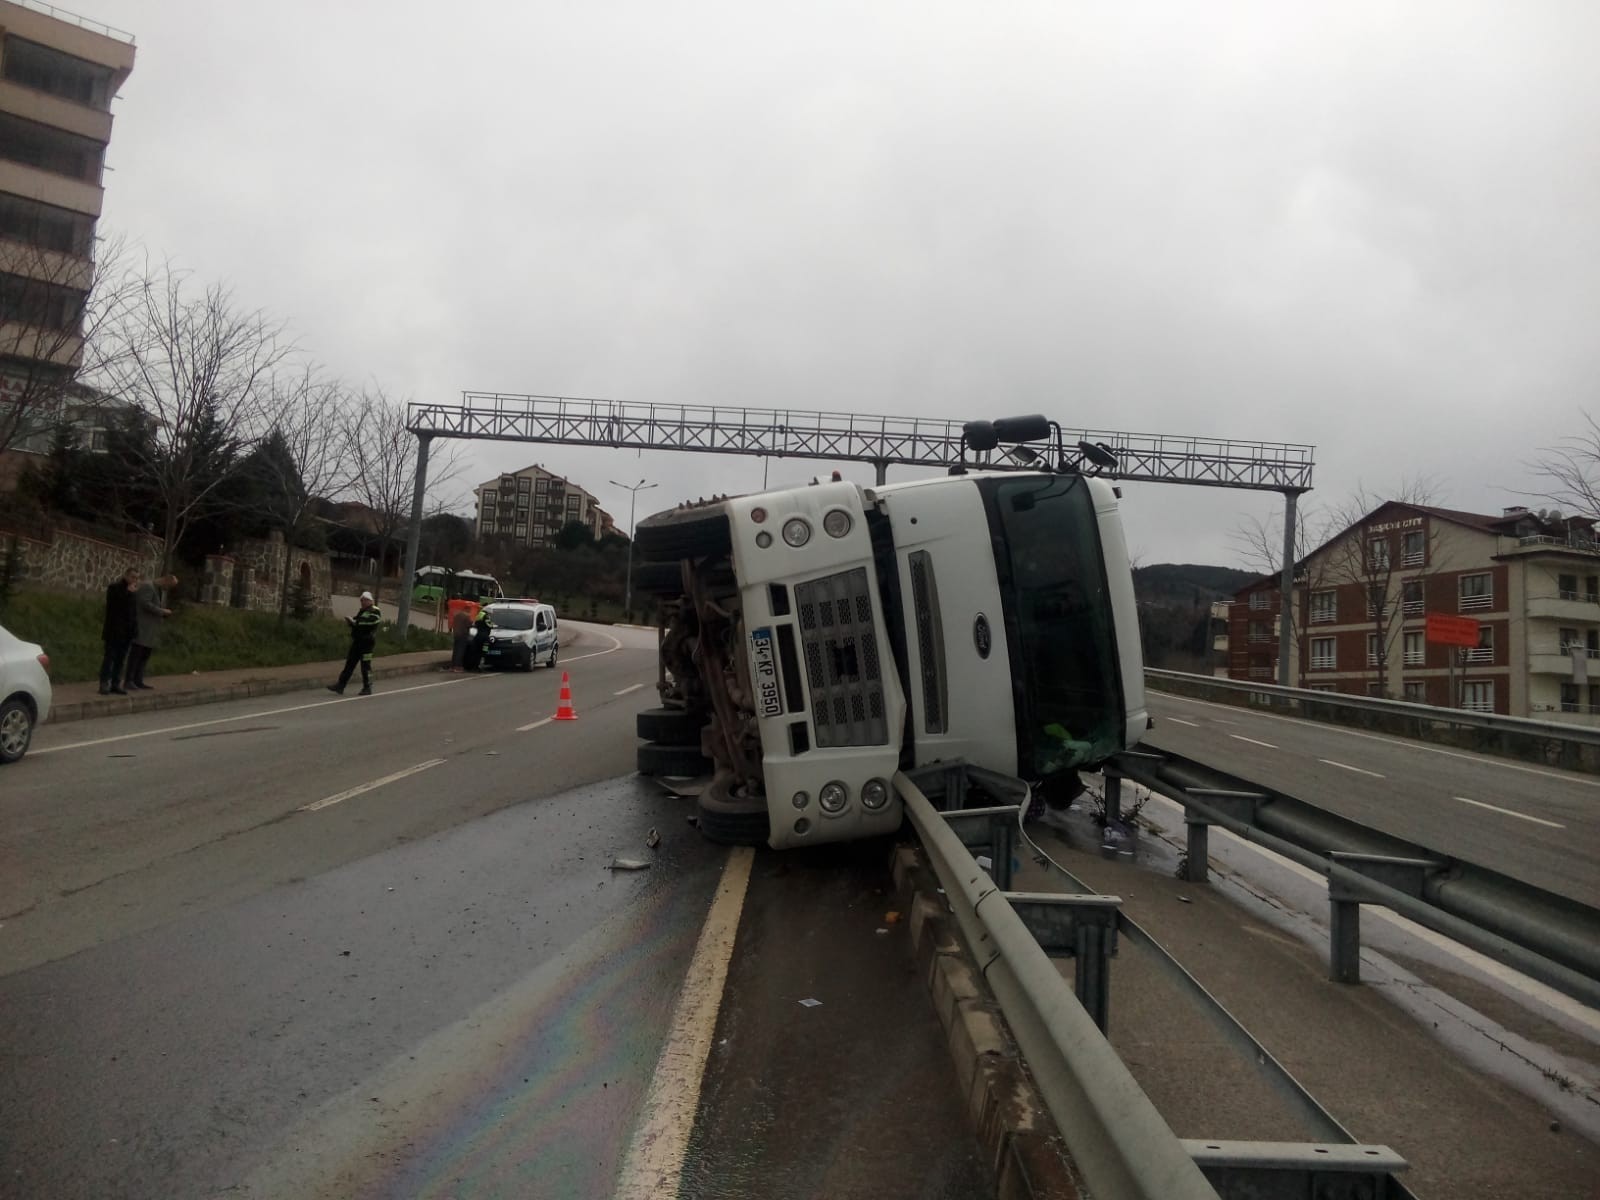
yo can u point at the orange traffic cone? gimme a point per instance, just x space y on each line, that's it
564 711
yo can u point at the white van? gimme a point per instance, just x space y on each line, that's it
524 633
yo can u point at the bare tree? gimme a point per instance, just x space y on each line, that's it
56 300
200 370
1390 573
303 459
1260 547
384 453
1572 471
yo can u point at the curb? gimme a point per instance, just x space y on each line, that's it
1005 1110
83 710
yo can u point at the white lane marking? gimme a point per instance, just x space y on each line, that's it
534 725
655 1156
1560 1001
327 801
626 690
1239 737
1181 721
1348 767
616 644
271 712
1508 812
1484 761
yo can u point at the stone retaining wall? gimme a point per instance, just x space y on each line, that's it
57 560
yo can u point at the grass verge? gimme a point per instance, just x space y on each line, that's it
197 637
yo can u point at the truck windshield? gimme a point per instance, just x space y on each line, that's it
1058 620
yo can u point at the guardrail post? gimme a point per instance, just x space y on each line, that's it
992 829
1080 927
1113 784
1346 896
1236 806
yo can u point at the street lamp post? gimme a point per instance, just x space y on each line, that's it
634 489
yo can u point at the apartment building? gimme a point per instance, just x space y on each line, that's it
531 506
1529 581
58 76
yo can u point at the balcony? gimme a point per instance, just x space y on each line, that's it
1548 660
1565 606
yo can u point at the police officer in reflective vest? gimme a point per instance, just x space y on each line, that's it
363 640
482 628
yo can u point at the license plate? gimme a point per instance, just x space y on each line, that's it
769 697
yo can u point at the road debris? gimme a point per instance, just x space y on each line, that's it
652 839
810 1003
629 864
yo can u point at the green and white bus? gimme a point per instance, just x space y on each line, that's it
433 584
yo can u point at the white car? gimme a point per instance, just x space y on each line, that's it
524 633
24 694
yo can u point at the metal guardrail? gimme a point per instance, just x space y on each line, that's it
1550 743
1548 937
1120 1144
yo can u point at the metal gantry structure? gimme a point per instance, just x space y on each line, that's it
855 437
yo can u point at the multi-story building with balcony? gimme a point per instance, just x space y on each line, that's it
1530 581
531 506
58 76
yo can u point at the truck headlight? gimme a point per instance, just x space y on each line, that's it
836 523
874 794
800 799
833 797
796 531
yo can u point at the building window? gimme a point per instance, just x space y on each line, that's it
38 303
1260 631
1415 650
1375 598
48 70
1569 698
1478 696
1323 687
46 148
1591 588
541 487
1417 691
1568 586
522 533
1483 652
1324 607
1378 554
1260 601
1323 656
1569 638
45 226
1477 591
524 485
1411 597
1414 550
1372 649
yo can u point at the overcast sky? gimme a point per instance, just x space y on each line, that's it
1367 226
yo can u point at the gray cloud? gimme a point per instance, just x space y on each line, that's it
1368 226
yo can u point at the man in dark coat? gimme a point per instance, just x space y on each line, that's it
120 628
363 641
152 601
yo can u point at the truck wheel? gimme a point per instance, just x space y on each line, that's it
658 579
669 726
686 761
732 820
683 533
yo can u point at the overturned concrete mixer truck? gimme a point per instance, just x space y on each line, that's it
815 639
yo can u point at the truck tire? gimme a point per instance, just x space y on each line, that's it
669 726
683 533
732 820
686 761
658 579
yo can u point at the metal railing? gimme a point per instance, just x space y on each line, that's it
1120 1144
1417 720
1546 936
72 18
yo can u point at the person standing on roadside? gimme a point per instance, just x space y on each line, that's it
363 641
461 635
121 626
152 611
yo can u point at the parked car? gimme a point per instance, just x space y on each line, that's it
24 693
524 633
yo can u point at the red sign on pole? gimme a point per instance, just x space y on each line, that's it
1446 630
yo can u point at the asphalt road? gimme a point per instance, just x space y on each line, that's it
1538 824
308 946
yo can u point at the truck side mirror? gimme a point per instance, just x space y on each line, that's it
1031 428
979 435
